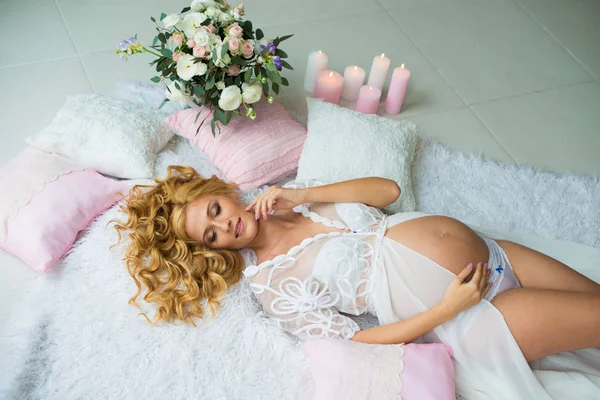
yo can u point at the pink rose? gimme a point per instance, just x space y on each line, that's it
247 49
177 39
233 70
199 51
211 28
234 45
235 30
191 43
177 56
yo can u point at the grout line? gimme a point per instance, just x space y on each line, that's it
492 134
533 17
62 17
592 80
36 62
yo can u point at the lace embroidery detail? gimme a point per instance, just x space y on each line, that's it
26 176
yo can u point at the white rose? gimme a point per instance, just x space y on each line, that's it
260 60
177 96
220 85
192 22
210 12
170 20
187 68
231 98
202 38
236 15
199 5
216 41
224 18
252 94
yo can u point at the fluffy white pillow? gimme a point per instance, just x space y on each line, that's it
112 136
343 144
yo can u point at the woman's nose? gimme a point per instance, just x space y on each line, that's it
224 225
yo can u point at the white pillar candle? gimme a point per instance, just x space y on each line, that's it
329 86
354 78
379 70
317 62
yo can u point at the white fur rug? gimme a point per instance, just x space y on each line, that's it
76 337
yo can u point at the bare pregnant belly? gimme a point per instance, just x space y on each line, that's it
444 240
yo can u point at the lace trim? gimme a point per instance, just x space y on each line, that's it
25 177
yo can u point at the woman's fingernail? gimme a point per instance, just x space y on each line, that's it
470 265
265 217
485 265
256 216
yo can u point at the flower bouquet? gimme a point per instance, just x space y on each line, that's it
210 56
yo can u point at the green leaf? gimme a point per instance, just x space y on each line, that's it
162 38
185 9
257 72
259 34
281 39
155 79
248 75
239 60
198 116
265 88
153 19
199 91
273 74
210 82
228 116
155 41
212 126
237 80
214 57
286 65
275 88
214 94
247 26
163 103
220 116
167 53
281 53
177 85
223 50
284 81
162 16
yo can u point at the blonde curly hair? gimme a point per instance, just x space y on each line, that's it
179 273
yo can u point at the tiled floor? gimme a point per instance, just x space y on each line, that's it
515 80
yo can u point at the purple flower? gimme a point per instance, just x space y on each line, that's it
277 62
271 46
124 45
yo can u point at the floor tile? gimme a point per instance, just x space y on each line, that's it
575 24
489 49
555 130
27 105
105 69
277 12
462 130
110 21
406 4
32 30
427 90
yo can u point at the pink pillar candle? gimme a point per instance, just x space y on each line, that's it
354 78
368 100
329 86
317 62
379 71
397 90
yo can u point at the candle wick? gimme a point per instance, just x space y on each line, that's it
330 74
382 54
402 66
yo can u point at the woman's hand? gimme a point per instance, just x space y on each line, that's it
461 296
276 198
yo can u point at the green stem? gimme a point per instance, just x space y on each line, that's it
151 52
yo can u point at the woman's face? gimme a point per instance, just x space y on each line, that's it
221 222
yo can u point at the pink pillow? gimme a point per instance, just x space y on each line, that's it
349 370
249 153
47 199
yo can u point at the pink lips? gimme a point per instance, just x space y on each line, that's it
239 228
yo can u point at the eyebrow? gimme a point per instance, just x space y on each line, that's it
205 230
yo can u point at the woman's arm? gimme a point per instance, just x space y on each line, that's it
459 297
405 331
373 191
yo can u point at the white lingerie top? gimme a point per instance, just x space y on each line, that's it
305 290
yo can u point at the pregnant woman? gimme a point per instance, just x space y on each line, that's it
326 251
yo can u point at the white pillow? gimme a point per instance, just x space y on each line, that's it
343 144
112 136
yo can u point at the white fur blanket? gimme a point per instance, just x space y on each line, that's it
75 336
